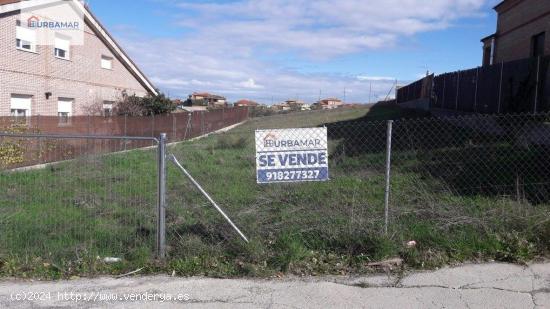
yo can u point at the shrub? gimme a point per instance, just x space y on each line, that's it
133 105
13 151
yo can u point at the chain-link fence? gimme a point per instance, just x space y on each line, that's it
177 126
461 187
88 205
459 179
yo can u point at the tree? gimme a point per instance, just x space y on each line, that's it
133 105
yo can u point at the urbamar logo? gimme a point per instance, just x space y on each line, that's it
35 22
271 140
51 19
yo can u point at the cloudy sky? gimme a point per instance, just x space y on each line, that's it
273 50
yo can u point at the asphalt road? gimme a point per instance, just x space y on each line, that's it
469 286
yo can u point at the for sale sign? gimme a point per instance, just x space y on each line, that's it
291 155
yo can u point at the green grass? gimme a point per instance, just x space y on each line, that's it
63 220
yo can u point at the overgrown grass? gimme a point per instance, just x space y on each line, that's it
62 221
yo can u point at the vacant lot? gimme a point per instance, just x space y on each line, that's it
65 219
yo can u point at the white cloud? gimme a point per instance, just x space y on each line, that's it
250 84
169 81
229 48
375 78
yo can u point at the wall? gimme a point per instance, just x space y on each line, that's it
512 43
81 77
520 86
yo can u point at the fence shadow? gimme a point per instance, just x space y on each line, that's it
479 155
503 156
368 133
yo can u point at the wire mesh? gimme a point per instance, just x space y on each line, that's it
94 200
453 179
323 214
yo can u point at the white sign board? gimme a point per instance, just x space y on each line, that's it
291 155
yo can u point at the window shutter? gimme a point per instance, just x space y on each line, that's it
26 34
61 43
65 106
106 62
21 102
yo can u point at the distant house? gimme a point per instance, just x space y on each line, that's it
330 103
63 78
281 107
206 99
245 103
521 31
295 105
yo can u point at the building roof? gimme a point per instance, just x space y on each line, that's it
208 95
331 99
7 6
2 2
246 102
506 5
201 94
488 37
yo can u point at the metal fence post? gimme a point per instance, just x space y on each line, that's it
161 206
537 86
457 90
174 128
444 88
202 123
500 87
388 175
40 154
475 94
125 129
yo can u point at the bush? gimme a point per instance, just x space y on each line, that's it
13 151
133 105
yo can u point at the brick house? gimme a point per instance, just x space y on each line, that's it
522 29
205 98
330 103
280 107
62 79
245 103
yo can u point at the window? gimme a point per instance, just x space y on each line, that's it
20 105
64 110
18 112
62 47
108 108
25 39
107 62
537 45
487 55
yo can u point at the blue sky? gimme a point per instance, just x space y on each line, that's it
273 50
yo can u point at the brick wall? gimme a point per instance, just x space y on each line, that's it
515 43
80 78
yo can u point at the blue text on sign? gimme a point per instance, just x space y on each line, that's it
293 159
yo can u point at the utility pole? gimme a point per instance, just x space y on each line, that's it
344 95
370 93
395 90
